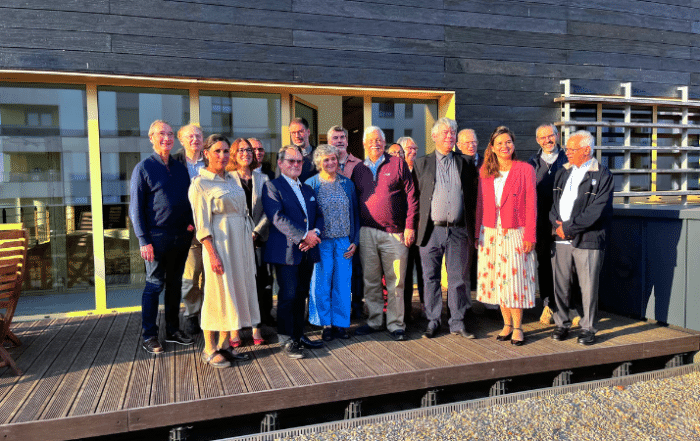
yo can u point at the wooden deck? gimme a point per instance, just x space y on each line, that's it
88 376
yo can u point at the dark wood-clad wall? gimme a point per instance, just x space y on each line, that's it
503 58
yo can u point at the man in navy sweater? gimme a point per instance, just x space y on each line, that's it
162 218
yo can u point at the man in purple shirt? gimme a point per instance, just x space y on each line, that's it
162 218
388 215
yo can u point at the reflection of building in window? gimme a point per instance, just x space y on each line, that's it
408 111
128 114
389 134
29 120
36 167
386 109
221 114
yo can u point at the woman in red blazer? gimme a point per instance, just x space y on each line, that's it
506 219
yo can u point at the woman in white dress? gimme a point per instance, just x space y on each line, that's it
225 229
506 218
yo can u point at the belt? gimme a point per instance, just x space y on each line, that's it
449 224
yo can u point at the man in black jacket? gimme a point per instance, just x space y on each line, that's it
547 161
447 187
581 214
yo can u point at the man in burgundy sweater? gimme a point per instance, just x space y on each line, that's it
388 215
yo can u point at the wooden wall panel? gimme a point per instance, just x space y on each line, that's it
503 58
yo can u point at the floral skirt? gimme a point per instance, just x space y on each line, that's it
505 277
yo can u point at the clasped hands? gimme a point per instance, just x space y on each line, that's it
310 241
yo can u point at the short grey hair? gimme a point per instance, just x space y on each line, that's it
371 129
586 139
322 151
404 140
336 129
442 122
152 129
183 129
542 126
465 131
283 151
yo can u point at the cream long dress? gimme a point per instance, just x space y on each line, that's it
220 211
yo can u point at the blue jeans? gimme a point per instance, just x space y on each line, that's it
165 271
329 299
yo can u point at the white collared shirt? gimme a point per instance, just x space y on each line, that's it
296 187
570 191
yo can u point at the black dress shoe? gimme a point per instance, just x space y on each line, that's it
464 333
292 349
365 330
152 345
341 333
304 342
429 333
399 335
180 338
560 333
327 334
515 342
231 355
586 338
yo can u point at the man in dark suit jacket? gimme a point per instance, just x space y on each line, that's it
467 143
296 222
447 186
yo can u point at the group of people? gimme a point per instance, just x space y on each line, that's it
213 220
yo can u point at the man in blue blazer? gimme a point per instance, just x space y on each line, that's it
296 223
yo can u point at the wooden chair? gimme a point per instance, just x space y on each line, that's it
13 255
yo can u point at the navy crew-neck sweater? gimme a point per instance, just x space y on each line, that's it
159 198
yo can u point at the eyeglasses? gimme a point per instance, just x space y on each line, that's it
570 150
244 151
259 150
294 161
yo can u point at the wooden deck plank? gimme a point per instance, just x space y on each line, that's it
104 399
66 355
313 363
97 375
232 378
35 363
121 372
138 390
185 379
336 358
162 382
272 368
359 360
209 385
410 351
382 362
293 369
27 335
62 399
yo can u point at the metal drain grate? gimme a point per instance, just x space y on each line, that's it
467 405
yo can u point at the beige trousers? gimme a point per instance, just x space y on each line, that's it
383 253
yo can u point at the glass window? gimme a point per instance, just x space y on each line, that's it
125 117
45 181
242 115
413 118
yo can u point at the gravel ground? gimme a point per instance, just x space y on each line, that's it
665 409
